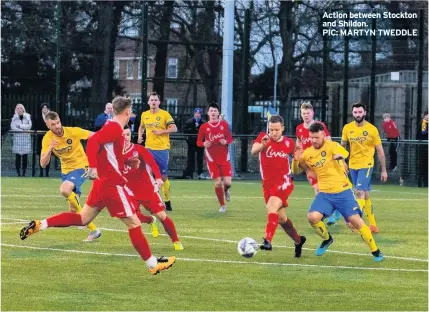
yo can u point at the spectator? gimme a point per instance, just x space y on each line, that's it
192 126
21 121
40 125
103 117
392 134
422 169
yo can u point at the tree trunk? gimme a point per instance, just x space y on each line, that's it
162 49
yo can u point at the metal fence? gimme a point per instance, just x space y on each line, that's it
412 158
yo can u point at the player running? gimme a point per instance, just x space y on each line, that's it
145 188
274 151
215 136
364 139
158 124
325 158
65 143
105 156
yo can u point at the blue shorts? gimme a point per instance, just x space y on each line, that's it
361 178
76 177
345 202
161 159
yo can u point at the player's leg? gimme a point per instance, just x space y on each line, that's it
321 207
273 204
214 171
165 188
349 208
121 205
64 219
147 219
363 186
226 173
71 190
166 221
289 228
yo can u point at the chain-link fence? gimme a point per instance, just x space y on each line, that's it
411 169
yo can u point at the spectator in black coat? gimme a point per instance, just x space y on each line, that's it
192 126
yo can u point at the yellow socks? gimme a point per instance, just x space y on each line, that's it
320 229
166 190
367 237
369 212
73 199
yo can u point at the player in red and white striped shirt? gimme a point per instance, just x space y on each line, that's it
106 160
145 187
215 137
274 151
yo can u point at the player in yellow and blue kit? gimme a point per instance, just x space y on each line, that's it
325 159
158 124
363 139
64 142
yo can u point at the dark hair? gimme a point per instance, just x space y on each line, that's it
121 103
358 104
276 119
425 113
316 127
214 105
126 127
154 94
44 104
51 115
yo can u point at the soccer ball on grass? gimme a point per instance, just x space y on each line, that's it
247 247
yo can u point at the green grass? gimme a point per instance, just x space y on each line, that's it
210 274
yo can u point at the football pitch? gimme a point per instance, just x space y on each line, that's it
55 270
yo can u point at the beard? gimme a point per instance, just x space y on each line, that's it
359 119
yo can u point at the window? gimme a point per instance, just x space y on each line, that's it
171 104
130 69
140 68
116 69
172 68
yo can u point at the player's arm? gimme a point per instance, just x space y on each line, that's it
82 134
147 157
382 160
109 133
260 143
141 130
170 125
340 152
47 148
344 138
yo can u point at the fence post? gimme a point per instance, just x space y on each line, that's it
33 161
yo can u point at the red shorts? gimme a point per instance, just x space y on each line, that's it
312 181
217 171
278 191
118 199
153 204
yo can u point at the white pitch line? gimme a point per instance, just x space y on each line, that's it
197 197
276 246
225 261
18 222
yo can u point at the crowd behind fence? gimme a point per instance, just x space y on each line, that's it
411 169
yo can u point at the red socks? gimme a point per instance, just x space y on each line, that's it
143 218
64 219
220 195
140 243
170 229
270 229
290 230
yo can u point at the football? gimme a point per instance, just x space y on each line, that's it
247 247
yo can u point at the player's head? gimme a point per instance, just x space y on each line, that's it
127 135
317 135
276 126
386 117
359 112
307 112
213 111
108 109
122 108
154 101
53 123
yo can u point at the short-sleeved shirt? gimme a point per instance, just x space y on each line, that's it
303 134
362 141
331 174
69 150
157 121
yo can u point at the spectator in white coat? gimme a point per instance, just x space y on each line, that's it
21 122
